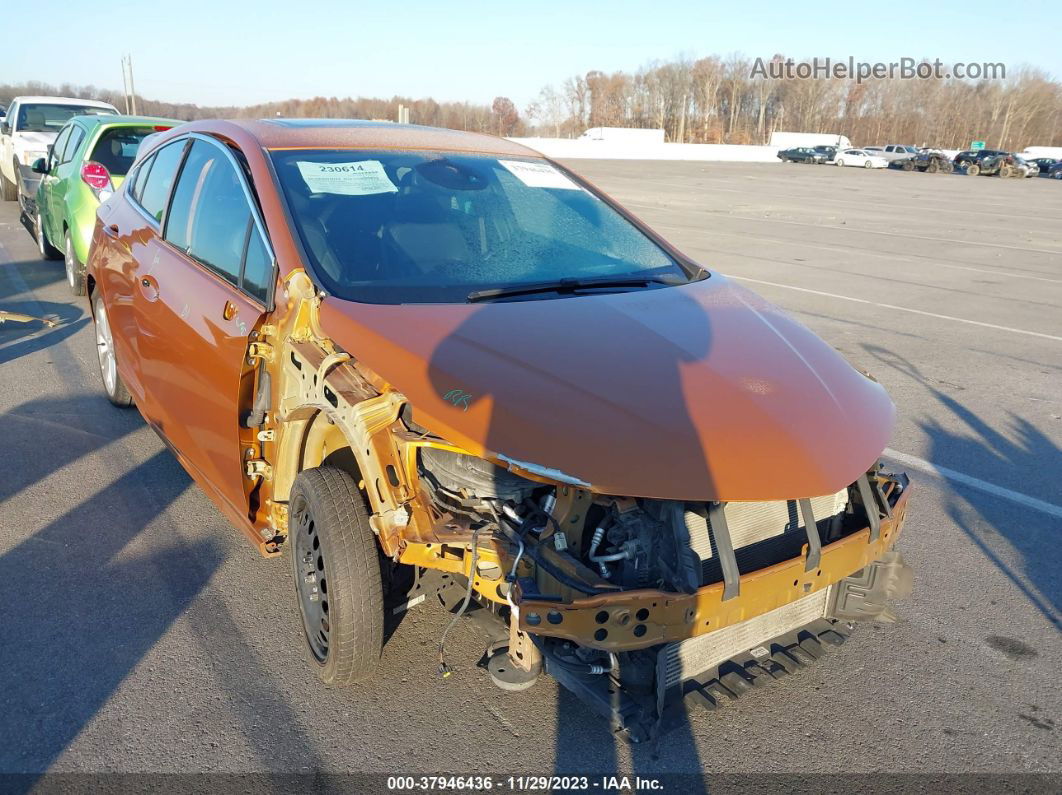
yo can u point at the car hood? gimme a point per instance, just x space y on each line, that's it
35 140
699 392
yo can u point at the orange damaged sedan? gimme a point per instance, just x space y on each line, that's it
425 364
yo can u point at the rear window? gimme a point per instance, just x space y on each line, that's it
116 148
159 181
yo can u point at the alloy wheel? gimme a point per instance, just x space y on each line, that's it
71 270
41 243
105 349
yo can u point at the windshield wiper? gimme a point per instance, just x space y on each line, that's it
570 286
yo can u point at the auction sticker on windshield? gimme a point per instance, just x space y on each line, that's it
538 175
361 178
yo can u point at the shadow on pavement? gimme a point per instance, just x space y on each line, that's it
19 339
986 453
80 612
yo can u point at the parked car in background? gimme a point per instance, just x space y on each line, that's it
386 350
1055 171
969 156
829 153
30 127
1044 164
861 158
87 163
801 154
896 152
1003 165
930 162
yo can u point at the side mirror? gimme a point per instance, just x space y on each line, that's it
40 166
5 128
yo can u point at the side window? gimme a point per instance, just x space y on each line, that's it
77 135
60 145
140 177
258 266
159 181
210 213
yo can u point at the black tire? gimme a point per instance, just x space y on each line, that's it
908 165
113 385
75 273
932 168
9 189
973 169
334 557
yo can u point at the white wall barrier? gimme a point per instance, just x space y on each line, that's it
562 148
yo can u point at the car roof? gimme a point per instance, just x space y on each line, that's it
91 121
91 103
359 134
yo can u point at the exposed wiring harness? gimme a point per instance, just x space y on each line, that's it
444 669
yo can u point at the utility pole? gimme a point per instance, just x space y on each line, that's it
127 84
132 89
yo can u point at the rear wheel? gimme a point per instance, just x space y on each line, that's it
908 165
840 162
973 169
74 277
868 164
112 381
932 168
47 250
337 575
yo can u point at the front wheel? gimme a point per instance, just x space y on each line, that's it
868 164
337 575
840 162
973 170
74 277
47 250
112 381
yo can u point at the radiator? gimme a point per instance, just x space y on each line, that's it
686 659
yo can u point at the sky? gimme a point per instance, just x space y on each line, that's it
244 53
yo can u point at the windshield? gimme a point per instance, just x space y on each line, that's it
417 227
116 148
50 118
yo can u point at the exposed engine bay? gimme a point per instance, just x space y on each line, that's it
617 545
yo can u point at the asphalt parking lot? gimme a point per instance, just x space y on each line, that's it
140 633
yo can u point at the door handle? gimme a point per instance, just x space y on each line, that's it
111 231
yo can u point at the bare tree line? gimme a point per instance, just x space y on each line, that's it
708 100
719 100
500 118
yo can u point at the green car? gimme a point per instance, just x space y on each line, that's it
86 164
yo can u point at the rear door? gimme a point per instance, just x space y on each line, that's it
128 230
195 309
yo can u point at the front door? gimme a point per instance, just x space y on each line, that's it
194 321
